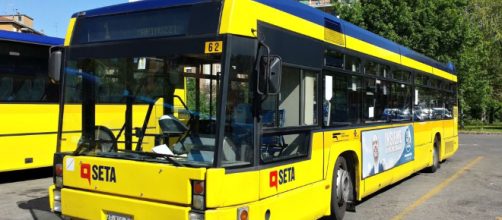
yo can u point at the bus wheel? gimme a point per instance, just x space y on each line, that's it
341 190
435 157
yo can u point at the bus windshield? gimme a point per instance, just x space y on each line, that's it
160 105
158 108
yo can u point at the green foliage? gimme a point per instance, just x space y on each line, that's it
465 32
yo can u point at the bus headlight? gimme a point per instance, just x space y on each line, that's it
57 206
198 202
57 195
57 200
196 216
58 181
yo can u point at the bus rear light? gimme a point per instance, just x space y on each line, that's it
198 195
198 187
58 175
58 169
242 213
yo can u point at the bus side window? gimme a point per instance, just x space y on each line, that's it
6 86
423 104
276 147
23 90
343 108
295 106
399 106
38 89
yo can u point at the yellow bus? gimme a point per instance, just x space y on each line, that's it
289 113
28 102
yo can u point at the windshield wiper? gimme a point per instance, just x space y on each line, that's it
170 159
163 156
167 157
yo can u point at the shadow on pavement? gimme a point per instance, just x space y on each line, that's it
41 204
38 208
23 175
382 191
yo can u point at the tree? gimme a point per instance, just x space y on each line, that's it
486 16
461 31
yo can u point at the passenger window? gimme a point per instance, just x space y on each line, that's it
400 75
334 59
343 106
376 97
371 68
399 106
296 103
421 79
309 98
6 84
352 64
429 104
384 71
295 106
275 147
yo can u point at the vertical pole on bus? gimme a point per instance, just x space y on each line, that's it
222 103
88 103
129 104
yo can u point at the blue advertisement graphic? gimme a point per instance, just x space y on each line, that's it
386 148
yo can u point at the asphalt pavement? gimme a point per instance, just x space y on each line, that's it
467 186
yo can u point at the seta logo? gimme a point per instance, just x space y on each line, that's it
281 177
99 173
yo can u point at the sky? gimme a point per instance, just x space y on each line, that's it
52 16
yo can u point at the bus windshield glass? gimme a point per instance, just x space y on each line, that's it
160 108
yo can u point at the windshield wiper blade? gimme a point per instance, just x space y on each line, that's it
170 159
163 156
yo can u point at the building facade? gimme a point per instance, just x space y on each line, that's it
17 23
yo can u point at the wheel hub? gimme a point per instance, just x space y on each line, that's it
343 185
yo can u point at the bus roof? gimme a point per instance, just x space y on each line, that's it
292 7
136 6
30 38
317 16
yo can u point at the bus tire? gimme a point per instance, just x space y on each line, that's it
435 156
341 190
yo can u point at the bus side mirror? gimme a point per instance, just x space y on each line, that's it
55 62
275 75
270 75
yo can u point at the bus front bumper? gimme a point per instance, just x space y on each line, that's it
90 205
81 204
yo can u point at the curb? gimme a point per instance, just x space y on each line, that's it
480 132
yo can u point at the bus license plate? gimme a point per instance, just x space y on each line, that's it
115 216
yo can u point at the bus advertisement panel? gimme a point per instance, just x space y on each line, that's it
386 148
